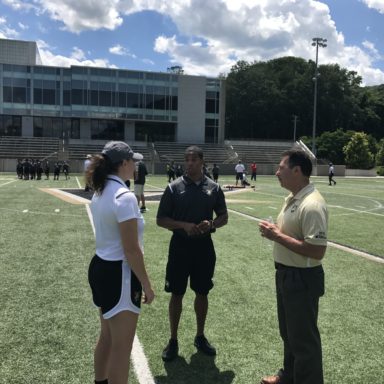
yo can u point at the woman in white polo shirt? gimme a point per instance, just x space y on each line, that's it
117 273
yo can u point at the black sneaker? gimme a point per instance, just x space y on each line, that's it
171 351
202 344
143 209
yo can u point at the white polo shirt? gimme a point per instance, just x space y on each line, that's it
303 217
115 205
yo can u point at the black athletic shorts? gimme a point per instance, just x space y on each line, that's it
239 176
190 258
114 286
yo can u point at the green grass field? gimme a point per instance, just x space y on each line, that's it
49 325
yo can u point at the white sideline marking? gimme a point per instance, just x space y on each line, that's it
140 363
356 252
330 243
250 208
272 207
78 182
8 182
139 360
367 211
154 186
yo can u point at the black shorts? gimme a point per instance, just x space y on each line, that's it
114 286
239 176
190 258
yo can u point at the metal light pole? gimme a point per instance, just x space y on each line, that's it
294 127
316 42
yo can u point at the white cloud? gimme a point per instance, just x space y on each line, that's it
83 15
371 47
6 32
375 4
78 54
148 61
22 26
217 33
77 57
121 51
19 5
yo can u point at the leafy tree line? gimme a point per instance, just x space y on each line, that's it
355 149
262 97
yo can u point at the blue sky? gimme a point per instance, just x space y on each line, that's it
204 37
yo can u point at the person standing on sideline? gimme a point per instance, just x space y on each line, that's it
253 171
117 274
87 163
186 208
56 171
46 170
139 181
300 242
215 173
66 170
239 169
331 170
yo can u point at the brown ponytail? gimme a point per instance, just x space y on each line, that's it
97 172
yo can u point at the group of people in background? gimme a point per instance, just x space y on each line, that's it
241 173
193 207
32 169
173 171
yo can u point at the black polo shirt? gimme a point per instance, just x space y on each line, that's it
184 200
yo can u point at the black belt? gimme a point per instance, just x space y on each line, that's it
286 267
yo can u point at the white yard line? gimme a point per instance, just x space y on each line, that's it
78 182
139 360
356 252
367 211
154 186
330 243
8 182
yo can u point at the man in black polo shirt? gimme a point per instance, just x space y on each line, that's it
186 208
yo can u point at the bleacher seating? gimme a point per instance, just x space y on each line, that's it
213 153
261 154
79 151
220 154
16 147
164 152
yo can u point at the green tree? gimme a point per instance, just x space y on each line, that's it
262 97
380 153
330 145
357 153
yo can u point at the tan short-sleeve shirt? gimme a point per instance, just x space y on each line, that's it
303 217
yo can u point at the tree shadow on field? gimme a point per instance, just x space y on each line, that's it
202 370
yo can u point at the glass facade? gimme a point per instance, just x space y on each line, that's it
212 110
99 101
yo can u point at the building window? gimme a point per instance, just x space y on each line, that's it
212 102
10 125
75 129
107 129
211 130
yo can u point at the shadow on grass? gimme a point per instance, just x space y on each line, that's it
202 369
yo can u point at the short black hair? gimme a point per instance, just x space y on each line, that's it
297 157
194 149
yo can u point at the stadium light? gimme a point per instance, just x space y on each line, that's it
316 42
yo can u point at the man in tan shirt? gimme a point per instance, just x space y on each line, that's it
300 241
